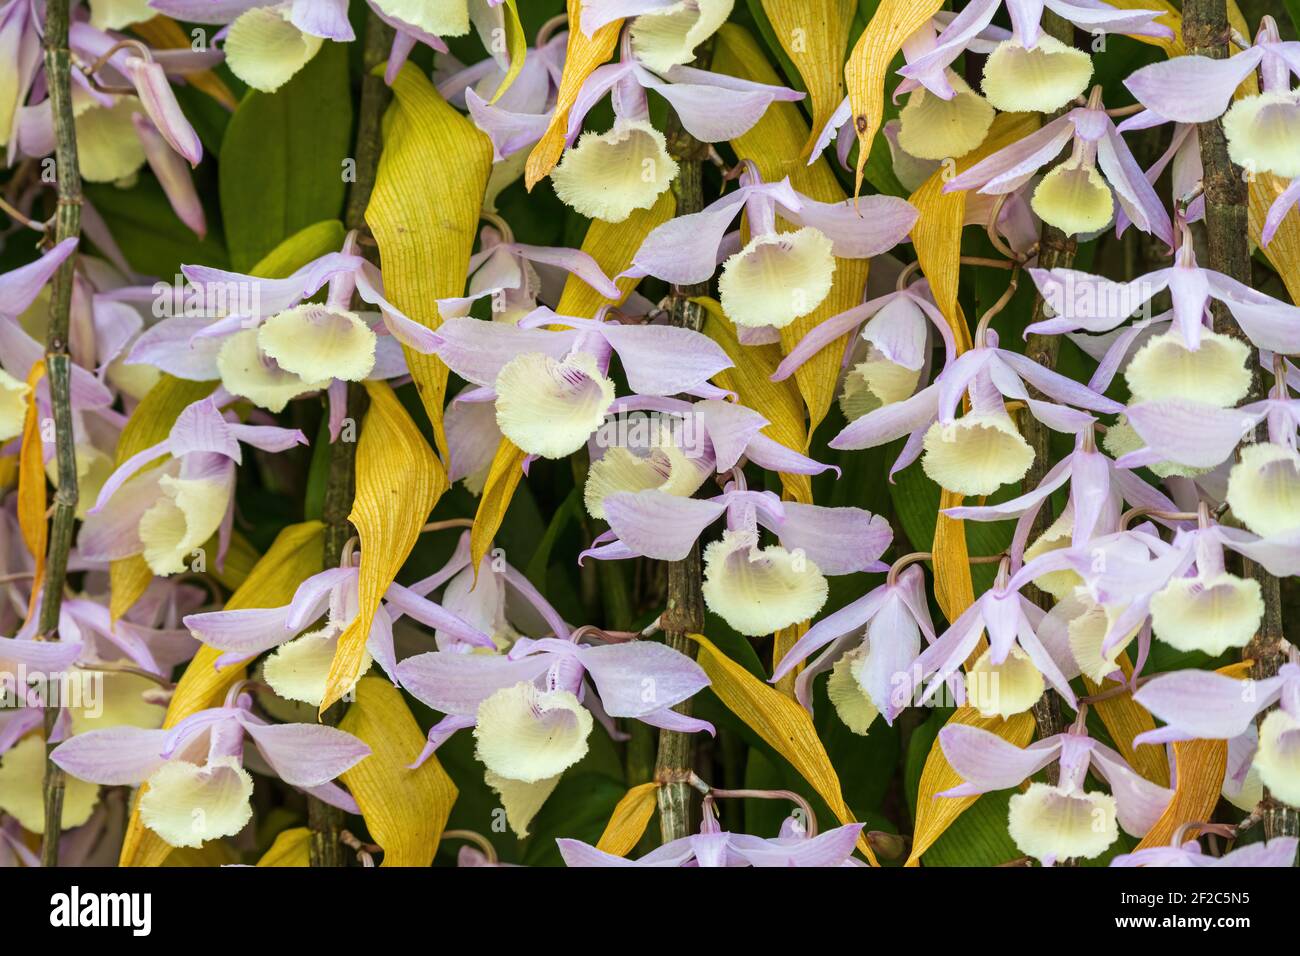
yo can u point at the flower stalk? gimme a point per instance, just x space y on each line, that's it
67 224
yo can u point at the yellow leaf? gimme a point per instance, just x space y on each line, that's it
165 33
783 725
31 482
399 480
516 48
148 425
814 34
1125 718
868 66
405 810
629 820
294 252
1200 766
750 377
423 212
774 144
1170 18
294 556
935 814
952 582
1284 251
498 488
613 246
581 57
241 557
292 847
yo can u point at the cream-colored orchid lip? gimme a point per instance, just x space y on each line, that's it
1264 488
1209 614
849 698
529 735
1264 134
1165 367
181 521
667 38
757 590
976 454
249 373
299 669
1278 757
520 800
187 804
116 14
608 175
936 129
1050 823
22 796
550 407
777 278
93 469
1075 199
13 406
442 18
318 343
1121 438
665 468
1002 690
265 50
1059 534
122 700
1087 635
1041 80
108 148
874 383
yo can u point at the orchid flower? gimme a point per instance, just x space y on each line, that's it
1009 676
1052 823
663 33
167 513
756 589
778 276
507 272
871 642
895 329
713 846
299 667
981 451
1074 196
518 118
198 788
672 446
608 175
1279 851
266 342
549 374
1081 301
533 708
1260 127
1208 706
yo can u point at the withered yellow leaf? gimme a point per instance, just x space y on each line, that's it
424 211
613 245
516 48
934 814
294 556
774 145
783 725
581 57
814 34
1125 718
292 847
399 480
31 482
628 821
1284 251
503 478
868 66
405 810
1200 766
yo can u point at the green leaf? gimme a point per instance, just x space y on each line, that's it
146 229
282 158
978 837
311 242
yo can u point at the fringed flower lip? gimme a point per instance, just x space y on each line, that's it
1074 195
662 33
198 765
1056 822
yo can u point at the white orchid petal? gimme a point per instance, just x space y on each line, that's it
187 804
548 407
756 590
777 278
1210 615
265 50
976 454
318 343
530 735
607 176
1047 823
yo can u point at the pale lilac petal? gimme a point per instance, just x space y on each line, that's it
1207 705
477 350
115 756
859 229
1008 168
306 755
684 250
1278 211
241 633
640 677
669 719
158 100
837 540
1137 196
659 525
1139 801
1188 432
323 18
455 684
663 359
892 421
987 762
435 616
20 287
1191 89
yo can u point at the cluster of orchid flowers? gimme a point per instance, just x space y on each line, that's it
1155 495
